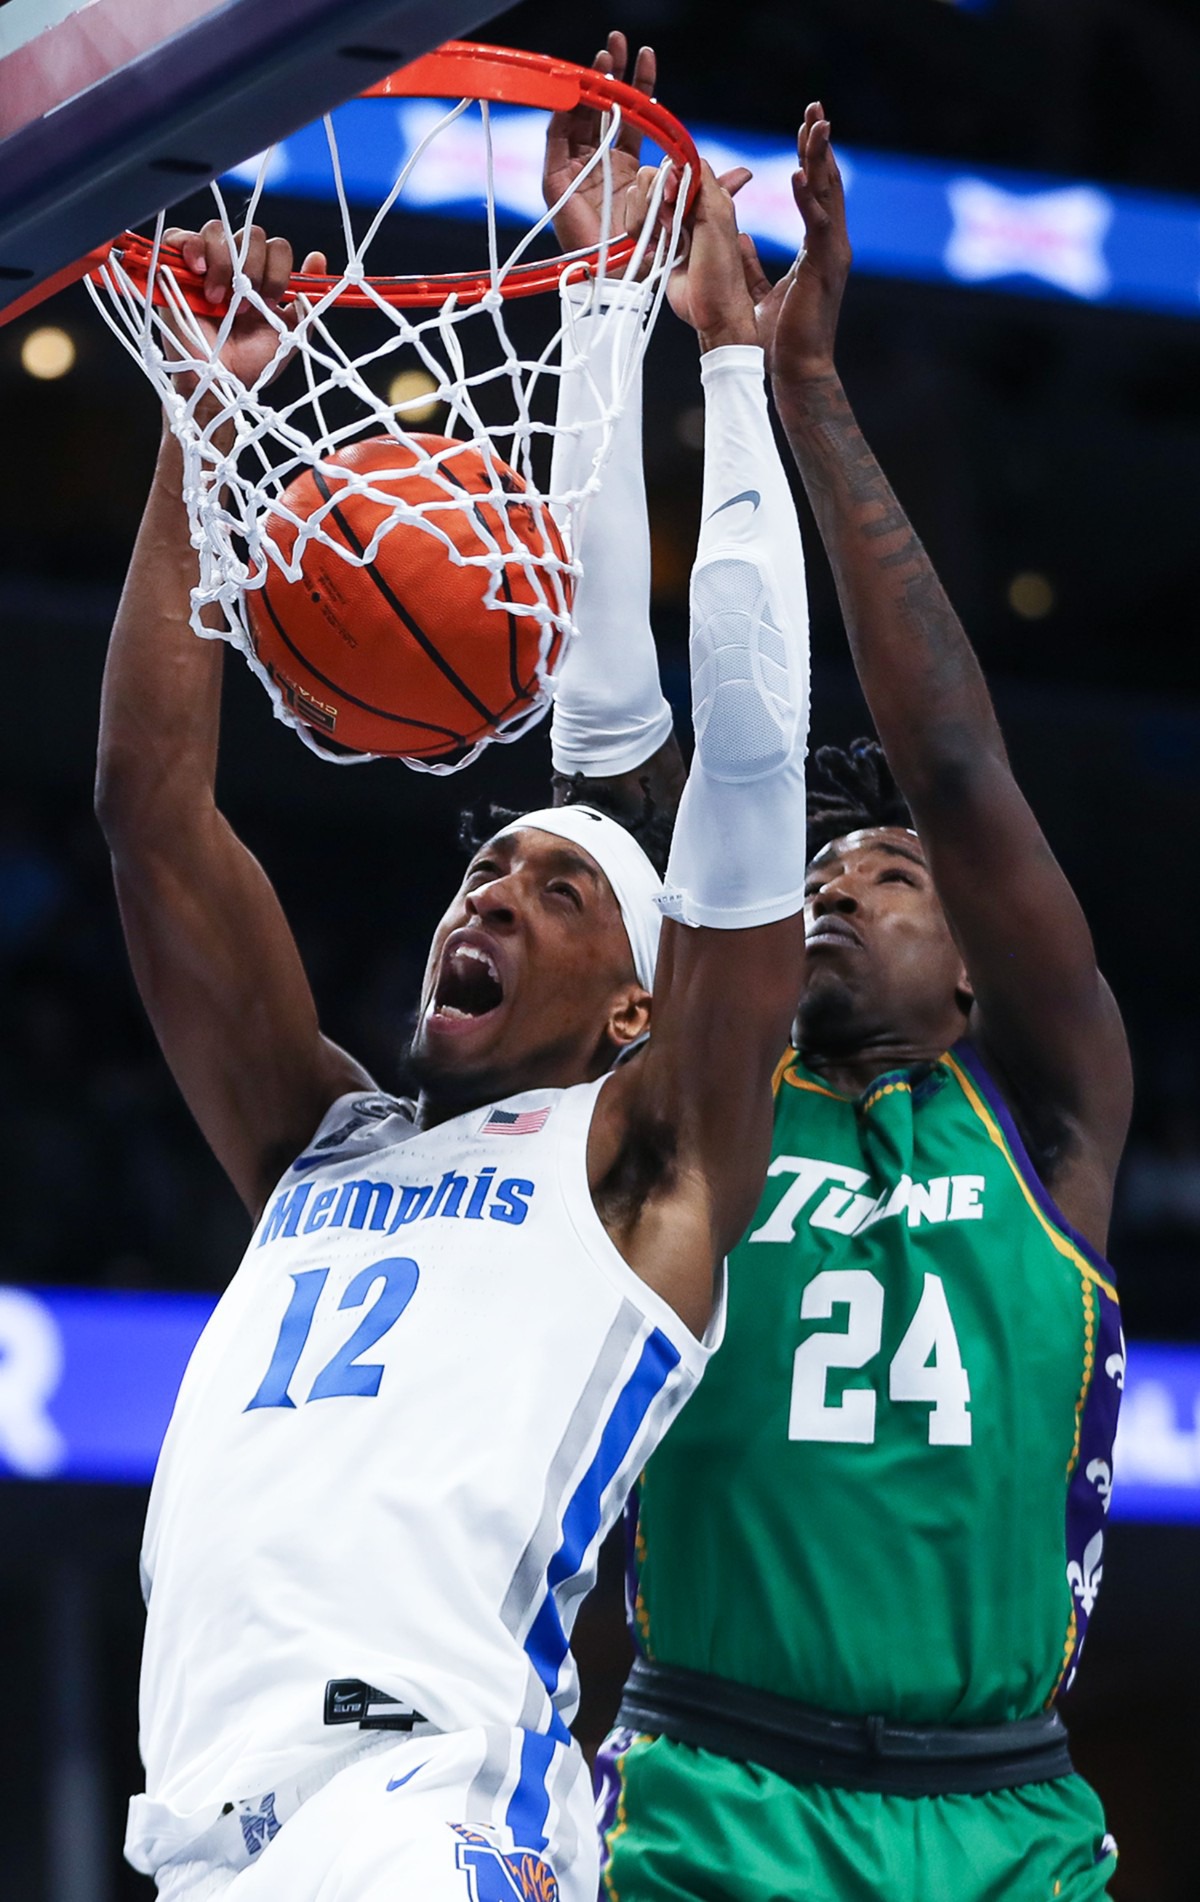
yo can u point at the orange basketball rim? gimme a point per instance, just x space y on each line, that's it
461 69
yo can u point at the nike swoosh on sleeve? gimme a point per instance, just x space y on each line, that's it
747 495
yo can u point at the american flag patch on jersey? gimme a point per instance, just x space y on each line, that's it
502 1122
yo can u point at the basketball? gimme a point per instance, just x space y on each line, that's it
401 654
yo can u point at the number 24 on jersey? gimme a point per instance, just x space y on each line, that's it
927 1365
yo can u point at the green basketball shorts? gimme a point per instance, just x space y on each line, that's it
683 1825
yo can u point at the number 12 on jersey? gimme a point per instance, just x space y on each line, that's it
926 1366
344 1373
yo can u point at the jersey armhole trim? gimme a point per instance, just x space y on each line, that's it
980 1091
695 1350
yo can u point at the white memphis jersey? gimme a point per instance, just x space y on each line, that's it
405 1431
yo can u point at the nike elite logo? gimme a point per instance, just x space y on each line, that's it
747 495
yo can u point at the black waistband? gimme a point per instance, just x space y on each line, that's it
349 1701
851 1753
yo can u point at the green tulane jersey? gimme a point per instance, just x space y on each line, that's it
888 1495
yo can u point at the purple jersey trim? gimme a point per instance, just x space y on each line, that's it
632 1574
1089 1491
607 1782
1089 1478
971 1061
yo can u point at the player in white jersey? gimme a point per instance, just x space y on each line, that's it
461 1325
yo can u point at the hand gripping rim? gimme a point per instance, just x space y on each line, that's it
459 69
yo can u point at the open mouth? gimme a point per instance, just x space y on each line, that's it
468 983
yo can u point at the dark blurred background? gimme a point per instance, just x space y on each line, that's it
1050 456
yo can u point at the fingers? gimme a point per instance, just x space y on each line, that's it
757 282
714 200
813 112
808 204
713 214
559 135
644 78
817 186
645 71
820 164
206 253
574 131
277 268
815 152
218 263
733 181
190 246
614 59
254 245
637 199
710 292
267 264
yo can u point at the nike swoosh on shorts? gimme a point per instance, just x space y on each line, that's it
397 1781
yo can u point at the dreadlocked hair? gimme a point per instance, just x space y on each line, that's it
651 827
849 790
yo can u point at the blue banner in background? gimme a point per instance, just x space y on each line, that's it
1157 1461
88 1380
913 218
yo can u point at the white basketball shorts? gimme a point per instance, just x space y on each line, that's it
470 1816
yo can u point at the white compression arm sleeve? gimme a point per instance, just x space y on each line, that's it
738 855
609 711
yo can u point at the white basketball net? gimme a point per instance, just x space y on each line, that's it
238 463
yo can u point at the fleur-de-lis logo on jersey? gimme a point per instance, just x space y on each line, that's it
1114 1366
1100 1474
1084 1579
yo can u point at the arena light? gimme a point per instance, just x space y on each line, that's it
413 395
48 353
1031 595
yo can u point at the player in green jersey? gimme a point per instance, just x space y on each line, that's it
865 1557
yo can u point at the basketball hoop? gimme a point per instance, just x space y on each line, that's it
239 463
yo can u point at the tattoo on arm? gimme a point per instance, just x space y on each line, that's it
882 571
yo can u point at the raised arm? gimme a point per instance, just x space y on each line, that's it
611 732
215 962
697 1104
1042 1013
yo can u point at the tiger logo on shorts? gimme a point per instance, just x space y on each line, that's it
498 1875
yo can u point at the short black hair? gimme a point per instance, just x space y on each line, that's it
850 789
651 827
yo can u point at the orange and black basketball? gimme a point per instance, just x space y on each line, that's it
401 655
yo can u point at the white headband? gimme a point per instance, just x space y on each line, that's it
635 884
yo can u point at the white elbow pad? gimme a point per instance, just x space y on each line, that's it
744 704
738 855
